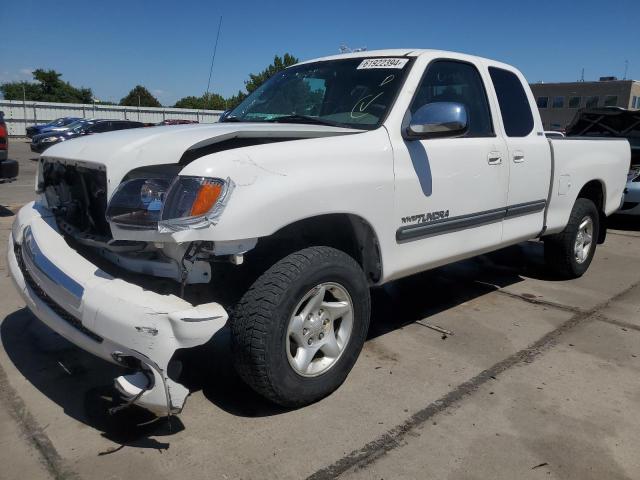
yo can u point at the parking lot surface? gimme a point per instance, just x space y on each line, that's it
539 379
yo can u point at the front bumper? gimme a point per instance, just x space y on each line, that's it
113 319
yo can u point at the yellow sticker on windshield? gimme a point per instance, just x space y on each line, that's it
387 62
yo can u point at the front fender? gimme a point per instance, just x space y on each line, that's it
279 184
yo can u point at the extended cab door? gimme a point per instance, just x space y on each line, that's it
451 192
529 157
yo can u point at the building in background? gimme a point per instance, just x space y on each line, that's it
559 102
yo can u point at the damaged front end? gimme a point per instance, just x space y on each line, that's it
110 296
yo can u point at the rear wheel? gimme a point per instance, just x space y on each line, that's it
299 329
570 252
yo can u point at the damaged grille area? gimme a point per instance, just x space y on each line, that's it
77 195
47 300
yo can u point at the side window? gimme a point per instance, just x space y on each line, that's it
514 105
100 127
452 81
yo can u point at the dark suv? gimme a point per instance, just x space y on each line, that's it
39 143
8 168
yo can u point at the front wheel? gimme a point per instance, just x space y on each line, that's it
569 253
299 329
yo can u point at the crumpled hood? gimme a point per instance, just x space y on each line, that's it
124 150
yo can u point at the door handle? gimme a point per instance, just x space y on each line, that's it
518 156
494 158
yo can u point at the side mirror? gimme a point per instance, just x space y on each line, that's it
224 115
438 119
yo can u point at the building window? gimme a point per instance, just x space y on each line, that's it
610 100
574 102
558 102
542 102
592 102
635 102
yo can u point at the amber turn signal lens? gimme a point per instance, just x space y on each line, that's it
208 194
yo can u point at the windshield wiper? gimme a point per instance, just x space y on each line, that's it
295 118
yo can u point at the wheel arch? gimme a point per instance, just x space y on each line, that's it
347 232
595 191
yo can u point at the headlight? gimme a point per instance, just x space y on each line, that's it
138 203
50 139
185 202
191 196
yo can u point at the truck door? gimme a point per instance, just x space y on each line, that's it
450 192
529 158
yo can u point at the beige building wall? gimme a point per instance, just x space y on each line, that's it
563 100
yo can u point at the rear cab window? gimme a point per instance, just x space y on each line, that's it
514 104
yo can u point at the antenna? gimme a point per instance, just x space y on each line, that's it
582 75
213 57
626 68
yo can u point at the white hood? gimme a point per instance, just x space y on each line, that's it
122 151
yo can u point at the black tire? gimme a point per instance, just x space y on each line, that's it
260 320
559 249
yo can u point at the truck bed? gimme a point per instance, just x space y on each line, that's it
576 161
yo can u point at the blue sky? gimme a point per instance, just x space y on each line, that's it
113 45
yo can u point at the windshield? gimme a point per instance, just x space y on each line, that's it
354 93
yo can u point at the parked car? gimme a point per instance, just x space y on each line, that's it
174 121
614 122
8 168
336 175
58 124
39 143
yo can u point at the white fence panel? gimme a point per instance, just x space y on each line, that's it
19 115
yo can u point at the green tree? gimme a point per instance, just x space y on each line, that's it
208 101
140 96
233 102
213 101
279 63
48 87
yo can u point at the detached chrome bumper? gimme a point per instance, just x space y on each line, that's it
113 319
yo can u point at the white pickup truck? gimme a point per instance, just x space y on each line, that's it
336 175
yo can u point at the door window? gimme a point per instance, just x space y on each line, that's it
514 105
452 81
